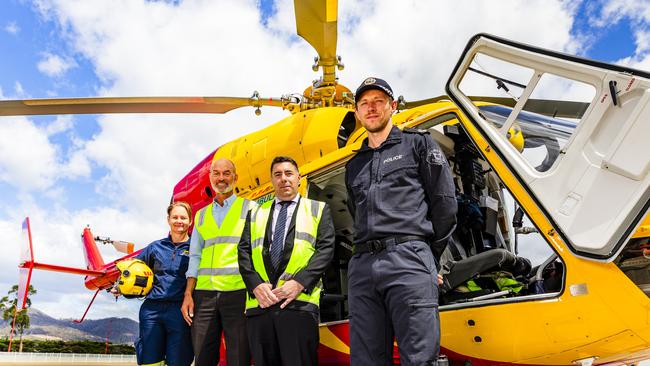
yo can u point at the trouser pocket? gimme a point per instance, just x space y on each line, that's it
420 343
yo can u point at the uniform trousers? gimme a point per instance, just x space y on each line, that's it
216 312
164 334
394 293
284 337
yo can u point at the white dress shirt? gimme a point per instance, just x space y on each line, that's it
276 212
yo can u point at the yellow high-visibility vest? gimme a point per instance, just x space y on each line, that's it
219 268
304 245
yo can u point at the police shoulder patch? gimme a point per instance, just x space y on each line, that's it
436 157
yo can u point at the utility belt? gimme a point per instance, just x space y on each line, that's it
376 246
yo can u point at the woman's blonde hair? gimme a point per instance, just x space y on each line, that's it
182 204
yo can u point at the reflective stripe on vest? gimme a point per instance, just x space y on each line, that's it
219 269
304 245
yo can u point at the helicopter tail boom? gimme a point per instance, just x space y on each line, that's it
94 261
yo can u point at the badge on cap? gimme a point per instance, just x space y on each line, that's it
369 81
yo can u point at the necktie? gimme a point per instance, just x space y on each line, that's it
277 245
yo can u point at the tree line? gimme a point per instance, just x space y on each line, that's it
93 347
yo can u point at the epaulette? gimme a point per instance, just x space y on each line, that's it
419 131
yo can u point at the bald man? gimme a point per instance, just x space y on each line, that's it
215 295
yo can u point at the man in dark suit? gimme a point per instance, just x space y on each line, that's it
286 245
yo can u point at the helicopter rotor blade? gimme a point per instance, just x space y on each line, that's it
316 22
551 108
215 105
417 103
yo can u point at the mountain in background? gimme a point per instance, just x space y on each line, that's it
43 326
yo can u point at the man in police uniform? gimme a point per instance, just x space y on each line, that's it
286 246
402 198
215 294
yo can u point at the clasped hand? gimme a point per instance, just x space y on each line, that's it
267 296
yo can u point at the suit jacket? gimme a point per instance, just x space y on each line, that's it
308 276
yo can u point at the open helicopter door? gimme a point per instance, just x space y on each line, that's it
574 131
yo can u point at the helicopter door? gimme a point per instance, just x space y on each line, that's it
574 131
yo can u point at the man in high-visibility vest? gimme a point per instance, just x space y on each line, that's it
286 246
215 295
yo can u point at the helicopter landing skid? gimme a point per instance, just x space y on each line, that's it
77 321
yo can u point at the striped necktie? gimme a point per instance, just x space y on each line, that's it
277 246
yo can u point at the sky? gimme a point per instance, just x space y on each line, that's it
116 172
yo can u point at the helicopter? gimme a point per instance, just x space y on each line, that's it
549 265
98 275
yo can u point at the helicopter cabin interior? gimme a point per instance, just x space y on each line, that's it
496 254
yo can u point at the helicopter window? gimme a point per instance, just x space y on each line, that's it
545 138
535 111
541 139
488 76
346 129
538 138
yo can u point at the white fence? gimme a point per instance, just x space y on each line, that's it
64 358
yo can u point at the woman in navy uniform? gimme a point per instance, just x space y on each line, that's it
164 335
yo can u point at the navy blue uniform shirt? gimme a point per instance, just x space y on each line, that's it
168 261
402 187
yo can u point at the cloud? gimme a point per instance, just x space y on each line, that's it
615 10
60 124
19 91
54 65
638 15
12 28
33 162
417 59
642 41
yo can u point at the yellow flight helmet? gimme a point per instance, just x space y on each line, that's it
136 278
515 137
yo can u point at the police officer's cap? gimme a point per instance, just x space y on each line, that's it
373 83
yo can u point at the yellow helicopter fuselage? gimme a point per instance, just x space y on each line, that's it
597 314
